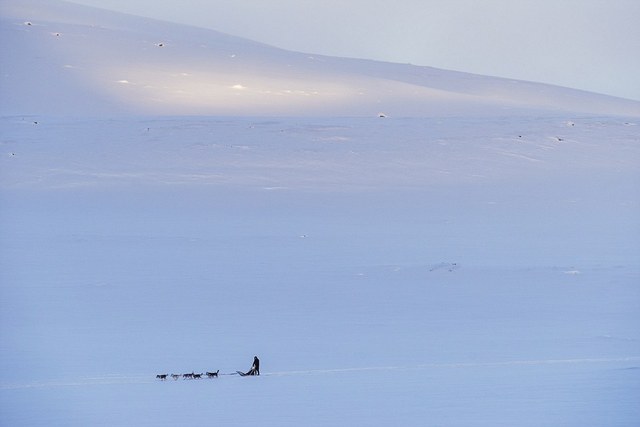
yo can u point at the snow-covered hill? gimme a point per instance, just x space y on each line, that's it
59 57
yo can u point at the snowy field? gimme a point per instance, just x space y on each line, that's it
471 260
412 272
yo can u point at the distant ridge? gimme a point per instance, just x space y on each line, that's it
63 58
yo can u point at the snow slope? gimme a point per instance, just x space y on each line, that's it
478 266
60 58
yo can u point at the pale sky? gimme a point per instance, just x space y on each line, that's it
585 44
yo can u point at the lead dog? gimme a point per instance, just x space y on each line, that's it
162 376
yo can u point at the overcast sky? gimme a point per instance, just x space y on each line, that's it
585 44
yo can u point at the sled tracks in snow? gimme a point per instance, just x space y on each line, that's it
427 366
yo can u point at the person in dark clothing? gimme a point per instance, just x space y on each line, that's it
255 368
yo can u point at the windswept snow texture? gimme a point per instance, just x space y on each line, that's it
478 266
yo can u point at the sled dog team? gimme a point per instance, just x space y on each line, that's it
255 370
191 376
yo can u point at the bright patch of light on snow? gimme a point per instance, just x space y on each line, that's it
202 92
